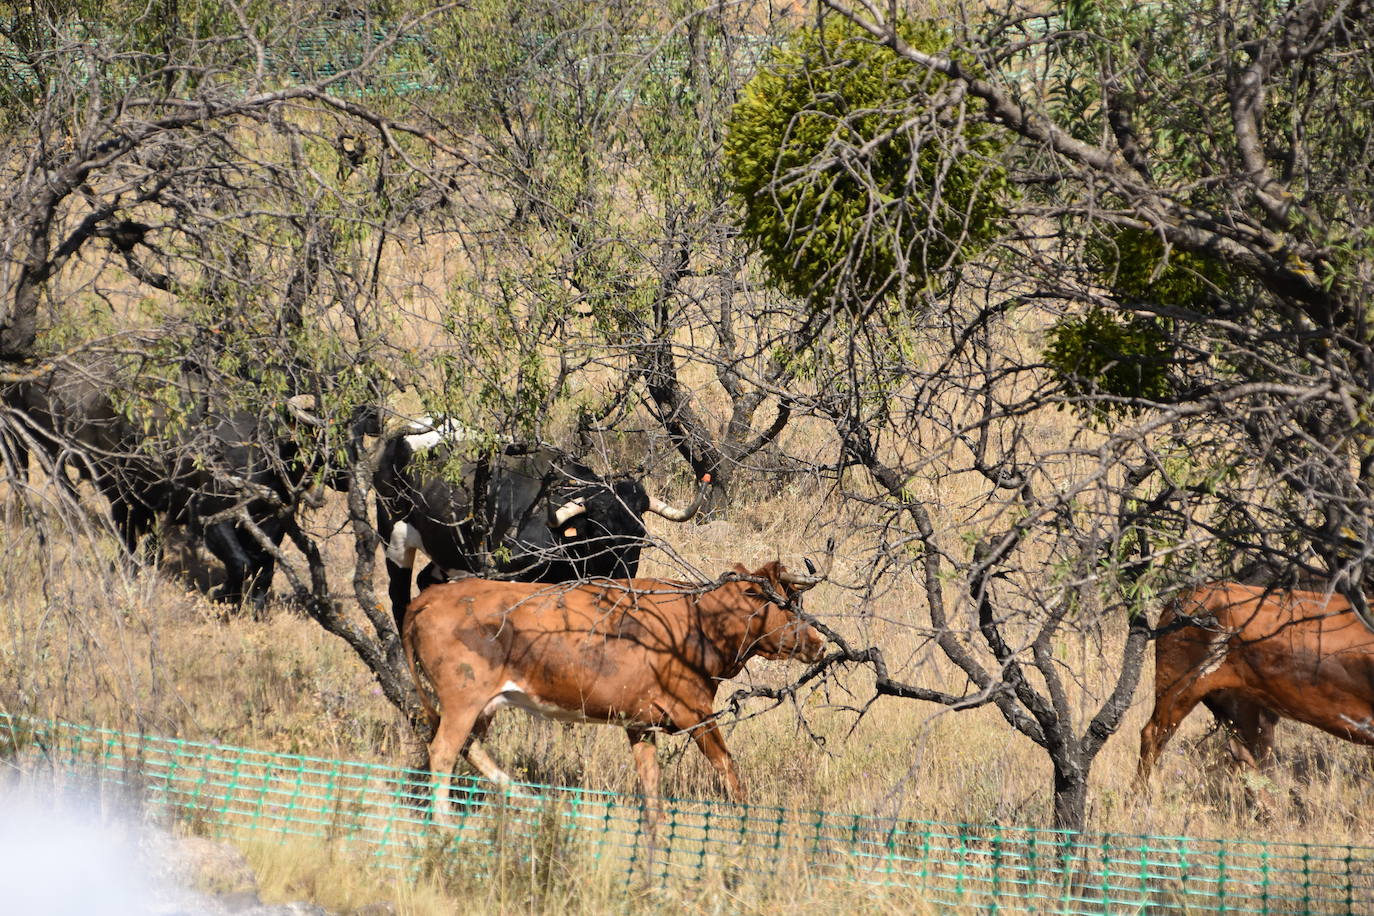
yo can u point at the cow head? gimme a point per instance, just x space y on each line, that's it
328 442
600 524
776 630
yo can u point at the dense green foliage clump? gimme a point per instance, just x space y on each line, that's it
1104 353
1135 266
1121 355
855 183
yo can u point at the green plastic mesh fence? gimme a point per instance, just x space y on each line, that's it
382 812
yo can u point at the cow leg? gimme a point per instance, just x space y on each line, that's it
223 541
429 576
135 523
146 536
477 755
479 758
132 516
1249 740
644 747
1261 740
1171 708
14 461
398 586
123 514
708 738
455 728
262 564
1256 736
1250 727
400 541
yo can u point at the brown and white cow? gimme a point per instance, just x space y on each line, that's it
646 654
1254 654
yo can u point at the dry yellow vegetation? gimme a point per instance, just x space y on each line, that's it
83 642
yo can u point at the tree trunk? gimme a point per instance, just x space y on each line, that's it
1070 796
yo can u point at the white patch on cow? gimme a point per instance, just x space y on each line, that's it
512 694
429 432
400 549
421 424
424 442
1217 650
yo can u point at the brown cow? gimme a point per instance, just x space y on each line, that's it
1254 654
646 654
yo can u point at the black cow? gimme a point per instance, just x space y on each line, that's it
191 471
67 417
527 513
241 458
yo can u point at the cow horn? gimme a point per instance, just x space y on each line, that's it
300 407
568 510
798 581
393 428
674 514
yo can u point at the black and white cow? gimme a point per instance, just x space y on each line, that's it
527 513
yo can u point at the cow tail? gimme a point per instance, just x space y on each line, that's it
424 686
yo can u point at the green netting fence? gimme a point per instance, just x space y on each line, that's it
380 812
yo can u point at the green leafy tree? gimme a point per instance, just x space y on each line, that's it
601 206
191 228
1187 261
859 175
1101 352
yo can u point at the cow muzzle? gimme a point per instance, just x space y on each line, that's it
811 646
801 642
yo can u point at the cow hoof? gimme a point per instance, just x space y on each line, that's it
236 604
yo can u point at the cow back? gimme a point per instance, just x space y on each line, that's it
1306 655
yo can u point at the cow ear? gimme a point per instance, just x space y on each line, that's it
780 584
633 495
772 574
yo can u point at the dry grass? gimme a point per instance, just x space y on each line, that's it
83 642
80 641
330 876
152 652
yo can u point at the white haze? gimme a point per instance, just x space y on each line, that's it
59 857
